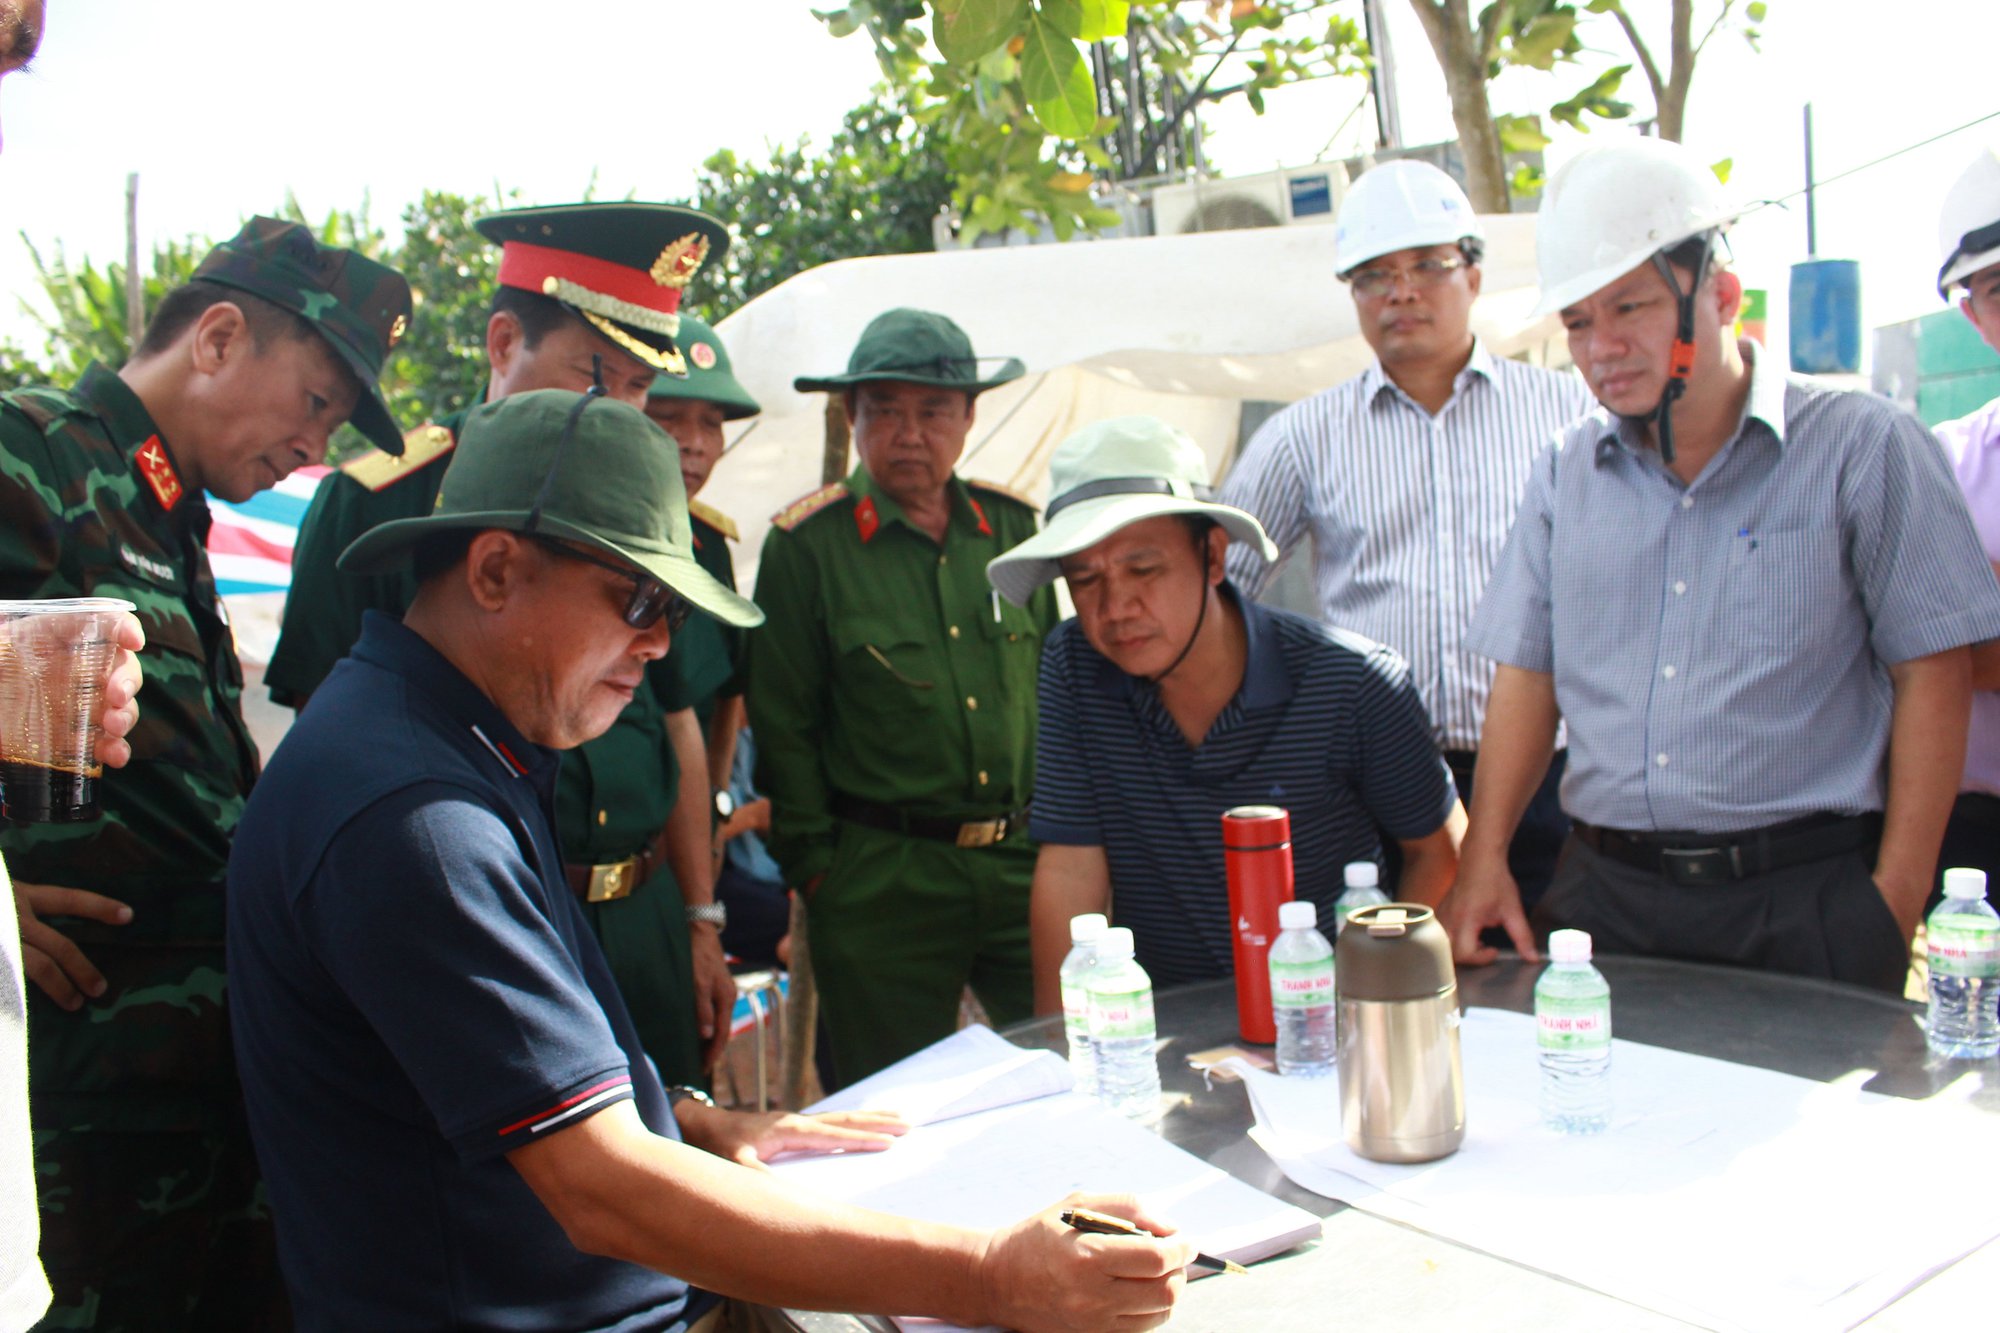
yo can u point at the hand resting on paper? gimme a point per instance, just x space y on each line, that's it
752 1138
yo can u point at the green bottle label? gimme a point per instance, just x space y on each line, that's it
1973 954
1302 985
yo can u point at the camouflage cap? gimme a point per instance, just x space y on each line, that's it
709 378
917 347
622 268
610 479
359 306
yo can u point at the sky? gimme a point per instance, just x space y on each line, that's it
222 106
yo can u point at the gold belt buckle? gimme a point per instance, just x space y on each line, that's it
612 880
982 833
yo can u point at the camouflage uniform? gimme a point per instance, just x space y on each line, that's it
152 1211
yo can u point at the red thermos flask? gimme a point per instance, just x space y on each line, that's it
1257 852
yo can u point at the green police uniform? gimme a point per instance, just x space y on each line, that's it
614 793
893 700
152 1216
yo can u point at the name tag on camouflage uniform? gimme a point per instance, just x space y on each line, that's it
148 567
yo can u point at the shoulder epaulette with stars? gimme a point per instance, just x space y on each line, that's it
995 488
798 511
421 447
716 519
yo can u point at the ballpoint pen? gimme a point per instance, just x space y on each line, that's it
1102 1224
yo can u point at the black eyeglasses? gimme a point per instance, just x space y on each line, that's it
650 599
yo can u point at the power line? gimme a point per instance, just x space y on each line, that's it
1886 157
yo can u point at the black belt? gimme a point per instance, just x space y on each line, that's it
957 832
1695 859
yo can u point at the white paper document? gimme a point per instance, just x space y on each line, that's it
992 1167
1732 1197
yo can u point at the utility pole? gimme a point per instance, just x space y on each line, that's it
1382 76
135 282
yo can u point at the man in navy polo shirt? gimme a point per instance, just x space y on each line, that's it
458 1126
1170 699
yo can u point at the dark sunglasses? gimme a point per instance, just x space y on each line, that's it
650 599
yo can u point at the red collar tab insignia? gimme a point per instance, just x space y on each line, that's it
679 262
866 520
985 528
159 473
702 355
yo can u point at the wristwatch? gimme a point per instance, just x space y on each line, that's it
708 914
725 804
682 1092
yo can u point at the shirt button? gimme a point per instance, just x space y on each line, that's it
1661 759
1680 588
602 815
942 559
982 777
1687 502
1667 671
972 703
953 631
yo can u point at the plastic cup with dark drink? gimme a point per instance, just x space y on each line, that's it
54 656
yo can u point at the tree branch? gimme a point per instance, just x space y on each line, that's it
1640 50
1714 27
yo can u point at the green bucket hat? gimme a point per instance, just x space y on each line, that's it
709 378
1108 476
611 480
916 346
360 307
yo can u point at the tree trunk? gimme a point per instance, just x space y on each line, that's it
1458 52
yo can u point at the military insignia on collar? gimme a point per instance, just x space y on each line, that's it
398 329
679 262
702 355
159 473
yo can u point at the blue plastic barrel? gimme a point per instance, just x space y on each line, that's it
1826 317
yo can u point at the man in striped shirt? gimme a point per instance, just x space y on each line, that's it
1171 699
1748 597
1406 476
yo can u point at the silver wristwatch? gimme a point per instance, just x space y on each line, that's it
709 914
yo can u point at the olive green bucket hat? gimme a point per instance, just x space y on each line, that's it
360 307
577 466
709 377
1110 475
916 347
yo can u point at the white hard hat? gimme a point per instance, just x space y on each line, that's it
1969 225
1610 209
1398 206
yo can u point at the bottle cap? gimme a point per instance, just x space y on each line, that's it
1087 926
1298 914
1361 875
1569 946
1964 883
1115 944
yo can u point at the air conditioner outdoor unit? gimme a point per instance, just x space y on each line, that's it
1292 197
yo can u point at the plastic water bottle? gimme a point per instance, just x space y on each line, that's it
1362 880
1573 1026
1084 932
1121 1027
1963 936
1302 993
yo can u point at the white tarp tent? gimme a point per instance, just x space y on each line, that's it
1187 328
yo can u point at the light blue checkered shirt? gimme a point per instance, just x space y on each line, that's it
1720 649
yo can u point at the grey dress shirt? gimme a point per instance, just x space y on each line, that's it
1721 649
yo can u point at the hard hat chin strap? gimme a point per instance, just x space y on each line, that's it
1680 359
1201 617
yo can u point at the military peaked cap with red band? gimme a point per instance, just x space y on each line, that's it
621 268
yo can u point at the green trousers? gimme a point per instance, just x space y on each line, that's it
900 926
645 939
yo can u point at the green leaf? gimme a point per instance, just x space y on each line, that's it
1541 43
1065 16
966 30
1057 81
1723 168
1755 11
1520 134
1104 18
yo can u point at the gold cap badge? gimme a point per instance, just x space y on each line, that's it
679 262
